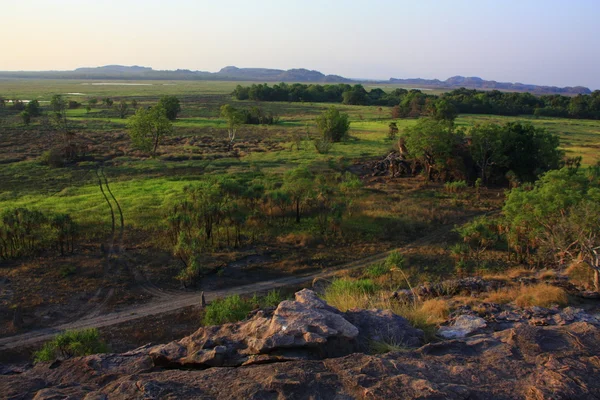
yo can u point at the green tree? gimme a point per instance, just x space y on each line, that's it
333 124
171 106
33 108
148 127
26 117
234 120
122 108
444 110
298 183
432 142
487 149
559 219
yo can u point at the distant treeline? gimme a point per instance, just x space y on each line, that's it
414 103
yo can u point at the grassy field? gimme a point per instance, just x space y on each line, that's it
137 179
387 212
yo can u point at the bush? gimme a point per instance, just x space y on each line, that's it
229 309
272 299
71 344
456 187
323 145
52 158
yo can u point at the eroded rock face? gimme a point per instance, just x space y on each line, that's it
522 362
528 362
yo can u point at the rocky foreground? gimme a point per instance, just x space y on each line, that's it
305 349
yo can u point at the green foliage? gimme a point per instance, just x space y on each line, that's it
52 158
148 127
557 220
26 117
456 187
333 125
122 109
323 145
234 120
377 270
25 232
477 235
71 344
272 299
171 106
229 309
33 108
432 142
395 260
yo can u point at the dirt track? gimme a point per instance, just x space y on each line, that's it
165 305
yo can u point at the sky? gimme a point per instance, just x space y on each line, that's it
544 42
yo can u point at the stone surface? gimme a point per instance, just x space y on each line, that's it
258 359
383 325
528 362
306 328
462 326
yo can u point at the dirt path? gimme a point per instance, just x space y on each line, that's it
165 305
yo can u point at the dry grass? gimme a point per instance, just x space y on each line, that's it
581 275
509 274
541 295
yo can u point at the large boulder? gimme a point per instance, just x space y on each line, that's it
306 328
383 326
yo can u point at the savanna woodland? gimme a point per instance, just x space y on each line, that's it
121 195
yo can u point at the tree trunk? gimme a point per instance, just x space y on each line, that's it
297 211
597 279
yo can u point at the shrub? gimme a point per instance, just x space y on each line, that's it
456 187
395 260
229 309
323 145
71 344
272 299
52 158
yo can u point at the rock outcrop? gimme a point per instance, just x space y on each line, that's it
524 361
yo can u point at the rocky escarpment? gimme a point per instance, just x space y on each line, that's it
316 357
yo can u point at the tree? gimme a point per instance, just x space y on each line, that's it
393 130
122 108
487 149
148 127
298 183
171 106
432 142
234 120
108 102
33 108
26 117
333 124
444 110
559 218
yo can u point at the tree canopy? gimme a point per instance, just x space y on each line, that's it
171 106
333 124
148 127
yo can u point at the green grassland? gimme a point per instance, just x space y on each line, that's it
142 184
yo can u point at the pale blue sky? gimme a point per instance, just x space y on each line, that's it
547 42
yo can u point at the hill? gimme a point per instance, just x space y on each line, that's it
474 82
232 73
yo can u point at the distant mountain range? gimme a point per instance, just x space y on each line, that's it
278 75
